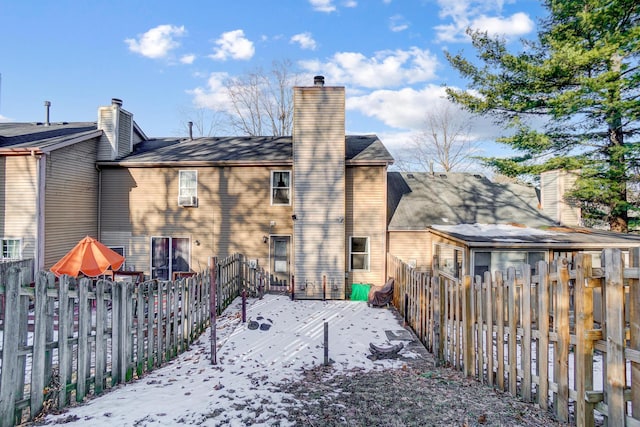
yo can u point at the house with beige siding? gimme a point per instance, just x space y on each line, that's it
464 223
311 206
49 188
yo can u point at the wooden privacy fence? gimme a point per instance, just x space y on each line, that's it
566 337
63 340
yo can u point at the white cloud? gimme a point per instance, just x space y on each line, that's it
405 110
157 42
188 59
214 96
397 23
385 69
234 45
515 25
322 5
350 3
305 40
4 119
484 15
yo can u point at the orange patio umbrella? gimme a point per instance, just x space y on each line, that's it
89 257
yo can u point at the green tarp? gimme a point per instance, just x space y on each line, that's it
360 291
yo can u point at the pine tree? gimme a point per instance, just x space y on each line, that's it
581 80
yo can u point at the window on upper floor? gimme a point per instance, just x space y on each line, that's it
359 253
11 249
188 188
280 187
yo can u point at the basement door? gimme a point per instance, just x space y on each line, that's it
279 261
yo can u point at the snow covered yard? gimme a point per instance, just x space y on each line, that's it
243 388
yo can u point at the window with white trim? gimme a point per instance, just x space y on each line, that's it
280 187
169 255
11 249
358 253
188 188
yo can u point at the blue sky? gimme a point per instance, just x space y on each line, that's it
163 58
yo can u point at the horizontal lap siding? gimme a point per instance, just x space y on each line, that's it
366 217
412 245
233 213
71 210
19 196
319 187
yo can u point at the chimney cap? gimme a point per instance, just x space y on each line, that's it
116 101
47 103
318 80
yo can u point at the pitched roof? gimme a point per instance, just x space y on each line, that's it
242 150
38 136
419 200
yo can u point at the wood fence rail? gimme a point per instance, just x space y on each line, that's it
565 336
66 339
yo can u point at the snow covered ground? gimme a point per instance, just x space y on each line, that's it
242 389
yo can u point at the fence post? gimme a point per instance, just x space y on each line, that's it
500 329
615 381
213 293
489 301
10 349
584 344
512 321
542 346
634 326
561 347
527 325
64 354
467 326
39 345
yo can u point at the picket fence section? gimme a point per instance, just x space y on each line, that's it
537 336
66 339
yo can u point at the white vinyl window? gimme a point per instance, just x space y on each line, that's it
280 187
188 188
11 249
359 253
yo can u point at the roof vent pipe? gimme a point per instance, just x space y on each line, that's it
318 81
190 131
47 104
116 102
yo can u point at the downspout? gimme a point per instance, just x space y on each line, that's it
41 171
99 224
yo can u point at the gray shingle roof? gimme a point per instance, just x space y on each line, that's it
419 200
240 149
37 135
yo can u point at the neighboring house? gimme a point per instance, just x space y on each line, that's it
311 206
420 200
470 225
49 193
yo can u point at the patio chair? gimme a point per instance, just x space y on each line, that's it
380 296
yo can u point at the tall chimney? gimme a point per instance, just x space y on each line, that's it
318 81
47 104
190 131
